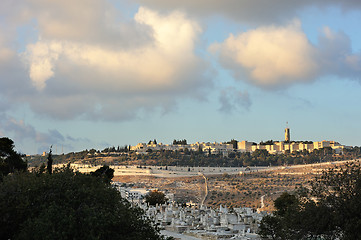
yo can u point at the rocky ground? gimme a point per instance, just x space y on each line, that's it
233 190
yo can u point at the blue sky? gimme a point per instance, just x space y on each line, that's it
97 73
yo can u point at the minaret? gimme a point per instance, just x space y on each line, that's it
287 134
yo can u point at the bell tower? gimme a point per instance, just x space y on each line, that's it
287 134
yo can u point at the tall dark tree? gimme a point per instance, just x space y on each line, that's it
10 160
200 149
49 166
234 143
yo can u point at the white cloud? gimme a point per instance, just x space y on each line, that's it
269 55
91 79
42 57
278 56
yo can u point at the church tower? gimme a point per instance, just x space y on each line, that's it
287 135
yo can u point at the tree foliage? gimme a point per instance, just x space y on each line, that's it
67 205
234 143
180 142
152 142
10 160
105 172
155 197
329 209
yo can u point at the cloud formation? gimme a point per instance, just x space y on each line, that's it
147 68
335 55
85 60
256 11
278 56
234 100
88 63
23 133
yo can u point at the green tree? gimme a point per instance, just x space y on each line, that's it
180 142
232 155
68 205
105 172
286 204
155 197
200 149
330 209
10 160
234 143
271 228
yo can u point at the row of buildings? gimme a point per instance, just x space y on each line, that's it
282 147
273 147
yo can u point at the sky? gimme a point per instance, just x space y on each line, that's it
98 73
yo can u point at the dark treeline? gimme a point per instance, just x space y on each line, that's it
236 159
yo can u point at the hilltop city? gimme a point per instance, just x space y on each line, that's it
273 147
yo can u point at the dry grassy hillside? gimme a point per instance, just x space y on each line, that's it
232 190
